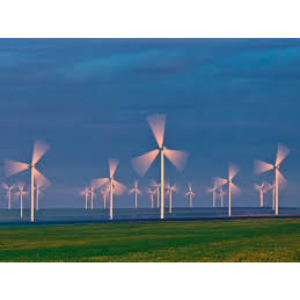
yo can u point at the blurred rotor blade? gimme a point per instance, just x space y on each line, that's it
142 163
135 183
39 150
232 171
40 179
175 188
113 163
219 181
139 192
154 183
257 187
209 190
119 188
5 186
261 167
282 182
235 189
131 191
13 167
282 152
96 183
177 158
267 187
20 185
157 124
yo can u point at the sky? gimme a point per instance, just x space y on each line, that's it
226 100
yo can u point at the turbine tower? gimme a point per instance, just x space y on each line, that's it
21 193
9 190
170 189
114 186
151 194
104 191
261 167
232 188
85 193
190 194
143 162
13 167
157 189
222 194
263 188
136 192
213 190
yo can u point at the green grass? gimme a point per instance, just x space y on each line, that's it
210 241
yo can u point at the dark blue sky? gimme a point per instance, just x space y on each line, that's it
226 100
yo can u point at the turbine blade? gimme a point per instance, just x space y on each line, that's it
39 150
136 184
99 182
157 124
131 191
13 167
235 189
267 187
282 152
119 188
232 171
261 167
113 163
40 179
209 190
177 158
282 182
139 192
5 186
142 163
219 181
154 183
20 186
257 187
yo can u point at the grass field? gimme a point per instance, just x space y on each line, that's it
209 241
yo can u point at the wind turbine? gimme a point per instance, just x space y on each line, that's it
39 189
157 189
104 191
170 189
136 192
213 190
151 194
85 193
114 186
191 194
143 162
21 193
222 194
13 167
232 188
263 188
260 167
9 190
93 194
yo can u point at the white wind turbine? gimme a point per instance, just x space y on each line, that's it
262 189
85 193
114 186
151 194
143 162
222 194
136 192
190 194
213 190
13 167
21 193
9 190
232 188
93 194
260 167
39 189
104 190
170 189
157 191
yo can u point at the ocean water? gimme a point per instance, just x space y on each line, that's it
98 215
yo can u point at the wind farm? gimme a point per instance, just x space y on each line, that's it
117 186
